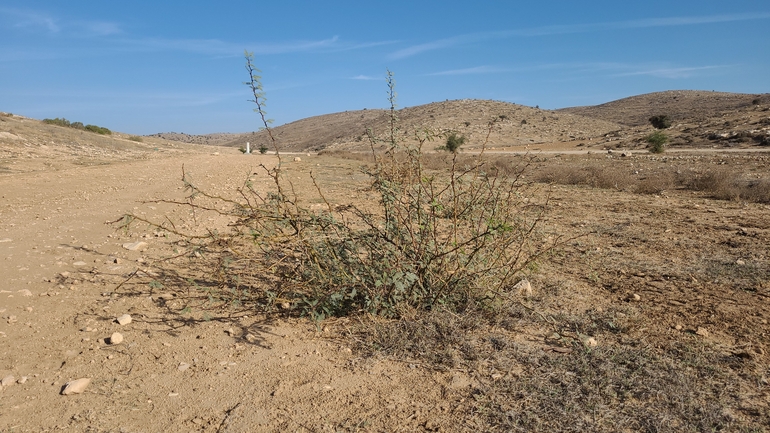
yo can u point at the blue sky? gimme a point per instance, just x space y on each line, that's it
156 66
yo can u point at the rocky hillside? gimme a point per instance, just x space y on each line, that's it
515 125
679 105
208 139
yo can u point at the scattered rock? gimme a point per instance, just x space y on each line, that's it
183 366
136 246
590 342
297 159
25 292
124 319
80 263
116 338
523 287
75 386
64 274
703 332
22 380
165 296
8 380
633 297
251 338
740 262
285 305
5 240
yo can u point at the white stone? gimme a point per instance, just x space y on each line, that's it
125 319
136 246
523 287
116 338
8 380
76 386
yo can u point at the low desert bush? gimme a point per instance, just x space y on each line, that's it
454 239
727 184
660 121
453 143
78 125
136 138
657 141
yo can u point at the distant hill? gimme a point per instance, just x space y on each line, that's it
679 105
515 125
208 139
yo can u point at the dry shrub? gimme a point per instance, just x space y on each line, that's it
455 239
591 174
726 184
656 183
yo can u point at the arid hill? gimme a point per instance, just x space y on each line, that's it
207 139
516 125
679 105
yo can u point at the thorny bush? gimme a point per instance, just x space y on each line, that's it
453 239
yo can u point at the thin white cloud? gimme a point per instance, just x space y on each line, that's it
470 71
28 20
365 78
575 28
672 73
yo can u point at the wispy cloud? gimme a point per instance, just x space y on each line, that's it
470 71
672 73
29 20
574 28
365 78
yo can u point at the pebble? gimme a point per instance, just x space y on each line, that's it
81 263
740 262
634 297
183 366
590 342
136 246
703 332
25 292
116 338
523 287
22 380
8 380
75 386
124 319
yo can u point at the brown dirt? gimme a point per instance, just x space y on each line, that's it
700 266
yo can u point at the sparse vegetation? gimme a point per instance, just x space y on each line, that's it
660 121
136 138
657 141
263 149
456 240
453 142
78 125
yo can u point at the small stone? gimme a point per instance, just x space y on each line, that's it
80 263
251 338
116 261
230 332
740 262
634 297
590 342
116 338
8 380
125 319
523 287
64 274
678 327
25 292
297 159
75 386
183 366
136 246
166 296
285 305
703 332
22 380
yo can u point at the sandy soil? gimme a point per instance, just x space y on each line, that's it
64 269
61 265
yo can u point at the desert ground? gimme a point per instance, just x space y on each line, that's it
651 316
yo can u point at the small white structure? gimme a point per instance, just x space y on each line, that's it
248 148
